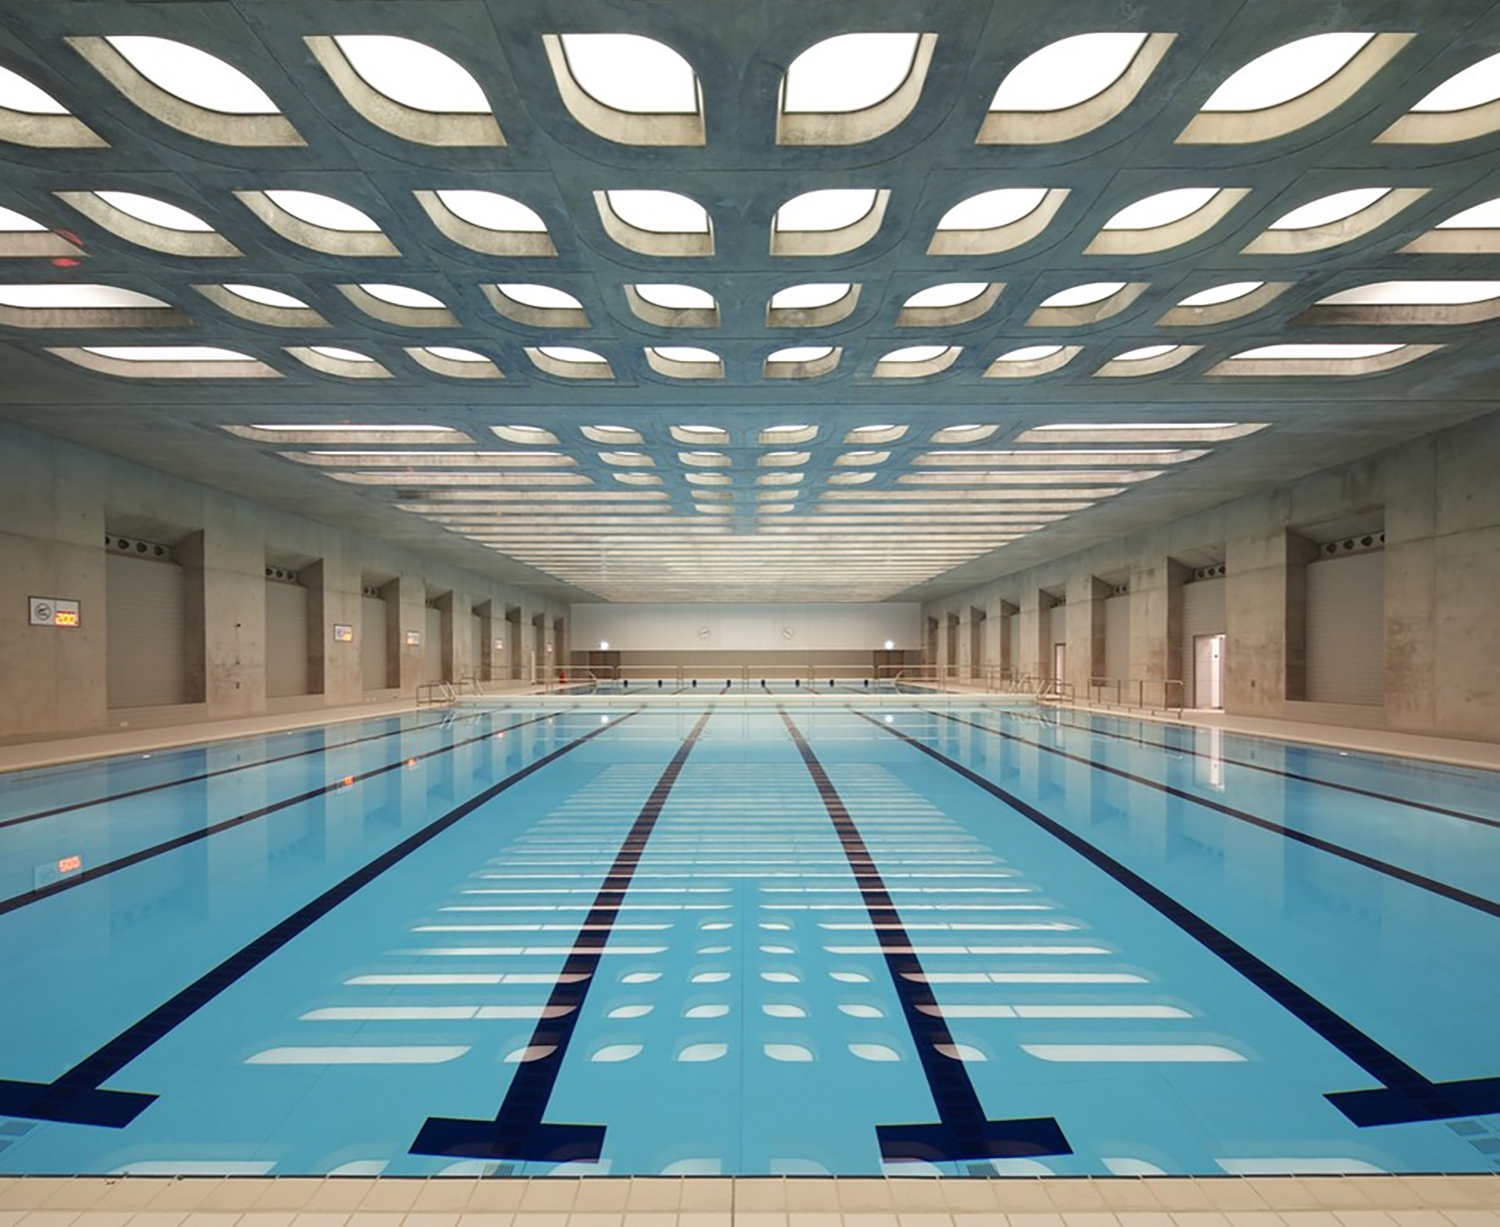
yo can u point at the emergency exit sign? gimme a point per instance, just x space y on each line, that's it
53 611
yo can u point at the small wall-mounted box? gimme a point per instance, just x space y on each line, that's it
53 611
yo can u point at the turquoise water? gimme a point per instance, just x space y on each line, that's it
979 940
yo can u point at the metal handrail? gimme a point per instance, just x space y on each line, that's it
1134 693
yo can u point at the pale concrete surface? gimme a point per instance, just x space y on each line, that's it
1229 1201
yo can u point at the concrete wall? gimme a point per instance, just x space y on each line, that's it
1438 500
734 628
60 500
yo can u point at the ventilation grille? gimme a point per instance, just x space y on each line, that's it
1353 545
137 549
1120 590
1214 572
372 592
282 576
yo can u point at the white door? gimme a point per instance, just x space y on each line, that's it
1208 671
1059 661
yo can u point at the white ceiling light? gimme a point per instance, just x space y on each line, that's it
1145 352
1029 353
19 94
800 353
1485 216
42 297
491 211
916 353
318 210
676 297
827 209
949 294
413 74
848 72
543 297
1084 295
1287 72
805 297
631 73
168 353
401 296
12 222
1329 209
1067 72
569 353
154 212
684 353
1415 293
1215 295
988 210
1162 209
451 354
340 355
1292 352
194 76
661 212
267 298
1477 84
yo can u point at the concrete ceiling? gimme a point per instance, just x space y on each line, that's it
578 519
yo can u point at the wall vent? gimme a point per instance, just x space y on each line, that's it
1362 544
371 592
1214 572
281 575
137 548
1121 590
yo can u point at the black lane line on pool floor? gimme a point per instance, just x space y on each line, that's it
1453 893
105 868
518 1133
962 1132
1168 748
77 1098
1405 1095
207 775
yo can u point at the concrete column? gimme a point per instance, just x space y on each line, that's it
1156 626
996 645
1265 610
1005 611
226 617
1085 614
406 607
1036 637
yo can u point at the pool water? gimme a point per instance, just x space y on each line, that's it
750 938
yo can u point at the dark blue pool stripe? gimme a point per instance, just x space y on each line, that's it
1454 893
962 1133
77 1096
518 1132
1405 1094
1464 815
208 775
105 868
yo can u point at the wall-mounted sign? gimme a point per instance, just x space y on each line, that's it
499 645
413 639
343 633
53 611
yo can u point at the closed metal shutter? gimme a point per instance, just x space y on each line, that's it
372 649
145 626
1116 638
286 639
1202 614
1346 630
432 647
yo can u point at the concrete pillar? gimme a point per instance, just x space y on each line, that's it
405 608
1001 621
1265 610
1156 627
224 568
1036 633
1085 614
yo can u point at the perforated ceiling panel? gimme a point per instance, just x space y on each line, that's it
751 301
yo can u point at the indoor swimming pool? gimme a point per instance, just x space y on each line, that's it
765 936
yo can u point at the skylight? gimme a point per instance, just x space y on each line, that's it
848 72
827 209
1415 293
12 222
154 212
1215 295
1029 353
1066 73
1162 209
42 297
401 296
800 353
988 210
267 298
318 210
916 353
491 211
804 297
413 74
1287 72
684 353
194 76
569 353
1145 352
949 294
19 94
543 297
1289 352
1084 295
450 353
658 211
676 297
1485 216
1329 209
340 355
629 72
168 353
1474 86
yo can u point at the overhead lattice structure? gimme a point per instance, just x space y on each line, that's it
760 301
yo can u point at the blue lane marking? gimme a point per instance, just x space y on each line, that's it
1405 1095
77 1098
962 1132
518 1132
